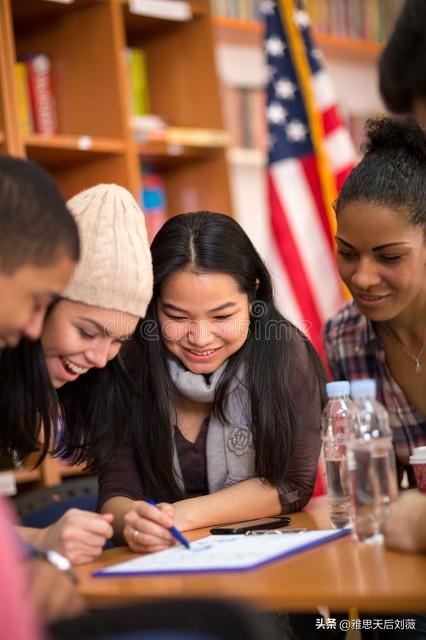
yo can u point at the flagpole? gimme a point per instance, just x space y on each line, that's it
301 63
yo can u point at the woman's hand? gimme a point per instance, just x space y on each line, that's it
54 595
146 528
78 535
405 528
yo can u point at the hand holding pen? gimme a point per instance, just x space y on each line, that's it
150 527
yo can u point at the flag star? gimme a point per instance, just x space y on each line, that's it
285 89
296 131
301 18
275 46
267 7
276 113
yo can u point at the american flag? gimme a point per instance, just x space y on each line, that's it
310 155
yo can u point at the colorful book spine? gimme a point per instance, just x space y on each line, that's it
237 9
24 103
153 200
244 113
138 82
364 19
41 93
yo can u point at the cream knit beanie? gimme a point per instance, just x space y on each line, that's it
115 268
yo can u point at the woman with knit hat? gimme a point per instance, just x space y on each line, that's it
79 352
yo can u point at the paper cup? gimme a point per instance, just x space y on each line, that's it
418 461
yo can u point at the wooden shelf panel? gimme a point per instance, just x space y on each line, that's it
349 49
25 12
250 32
164 154
241 156
238 32
63 150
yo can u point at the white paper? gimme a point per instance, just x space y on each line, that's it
166 9
222 553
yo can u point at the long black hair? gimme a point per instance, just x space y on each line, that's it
215 243
28 402
392 172
83 421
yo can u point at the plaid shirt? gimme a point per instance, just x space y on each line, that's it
354 351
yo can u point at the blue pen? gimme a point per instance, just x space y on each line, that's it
175 532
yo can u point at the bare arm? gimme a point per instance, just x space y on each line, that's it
146 527
119 506
246 500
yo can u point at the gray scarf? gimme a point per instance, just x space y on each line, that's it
229 448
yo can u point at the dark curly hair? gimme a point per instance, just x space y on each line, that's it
393 170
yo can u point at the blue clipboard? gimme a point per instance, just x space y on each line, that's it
222 554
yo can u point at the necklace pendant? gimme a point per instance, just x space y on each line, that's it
419 367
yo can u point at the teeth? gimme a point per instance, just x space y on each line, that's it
202 353
73 368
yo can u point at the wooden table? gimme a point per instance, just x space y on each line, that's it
340 574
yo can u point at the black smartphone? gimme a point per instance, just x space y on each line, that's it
244 528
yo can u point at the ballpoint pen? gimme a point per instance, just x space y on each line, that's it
261 532
175 532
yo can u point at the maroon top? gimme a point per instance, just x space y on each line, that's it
120 477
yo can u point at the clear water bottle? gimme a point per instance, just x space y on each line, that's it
371 463
336 423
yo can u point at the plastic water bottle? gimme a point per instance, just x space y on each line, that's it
336 422
371 463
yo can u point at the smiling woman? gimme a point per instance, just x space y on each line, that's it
381 247
78 337
78 356
225 430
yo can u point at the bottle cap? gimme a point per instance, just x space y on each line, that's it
338 388
418 456
363 388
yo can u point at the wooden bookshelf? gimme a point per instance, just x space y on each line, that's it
85 41
250 32
181 77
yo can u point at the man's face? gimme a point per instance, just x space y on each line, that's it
25 296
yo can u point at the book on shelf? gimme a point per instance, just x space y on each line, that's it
236 9
24 104
362 19
244 113
153 129
40 88
23 96
153 201
138 82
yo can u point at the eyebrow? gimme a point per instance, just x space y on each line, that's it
102 329
379 246
221 307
